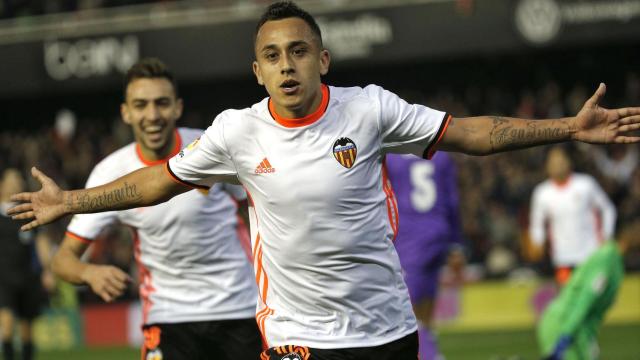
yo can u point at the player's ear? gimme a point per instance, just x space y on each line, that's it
179 107
124 113
325 60
257 72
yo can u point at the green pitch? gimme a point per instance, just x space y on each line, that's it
619 342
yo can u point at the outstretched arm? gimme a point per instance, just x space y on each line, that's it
491 134
143 187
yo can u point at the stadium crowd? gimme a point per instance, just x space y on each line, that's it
495 192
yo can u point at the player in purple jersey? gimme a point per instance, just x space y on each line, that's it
427 195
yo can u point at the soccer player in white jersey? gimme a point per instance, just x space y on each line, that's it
196 284
311 157
576 212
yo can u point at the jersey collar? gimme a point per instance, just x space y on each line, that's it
303 121
176 149
562 184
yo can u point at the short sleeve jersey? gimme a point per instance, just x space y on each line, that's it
192 266
324 214
578 215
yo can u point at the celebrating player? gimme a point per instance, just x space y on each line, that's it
574 208
323 220
427 197
196 286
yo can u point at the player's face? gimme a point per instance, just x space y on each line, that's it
152 109
289 63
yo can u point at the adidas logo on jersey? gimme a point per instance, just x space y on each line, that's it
265 167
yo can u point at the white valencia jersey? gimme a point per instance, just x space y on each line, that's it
324 213
191 263
577 214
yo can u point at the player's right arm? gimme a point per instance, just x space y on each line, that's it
107 281
144 187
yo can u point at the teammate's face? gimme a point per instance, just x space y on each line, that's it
558 165
152 109
289 63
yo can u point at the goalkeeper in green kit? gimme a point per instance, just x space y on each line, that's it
569 326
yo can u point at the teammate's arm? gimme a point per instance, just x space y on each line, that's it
491 134
607 210
536 219
143 187
107 281
43 250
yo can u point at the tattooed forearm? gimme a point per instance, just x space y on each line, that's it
83 202
510 134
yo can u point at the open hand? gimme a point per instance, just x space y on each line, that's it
41 207
597 125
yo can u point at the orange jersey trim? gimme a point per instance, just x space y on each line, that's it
262 279
176 179
392 204
431 149
78 237
303 121
176 149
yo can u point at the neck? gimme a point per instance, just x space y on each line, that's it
561 180
159 154
305 109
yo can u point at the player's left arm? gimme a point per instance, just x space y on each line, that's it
44 253
485 135
607 210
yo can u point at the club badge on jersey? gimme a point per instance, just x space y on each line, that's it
345 152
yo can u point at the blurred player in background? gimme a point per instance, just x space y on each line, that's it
427 196
24 272
576 212
569 327
323 220
196 282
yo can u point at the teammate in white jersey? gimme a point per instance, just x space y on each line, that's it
311 158
196 284
576 212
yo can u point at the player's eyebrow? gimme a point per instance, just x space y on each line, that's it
290 45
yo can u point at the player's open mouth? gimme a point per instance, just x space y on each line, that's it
154 133
289 86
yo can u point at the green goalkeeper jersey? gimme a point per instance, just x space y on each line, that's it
591 290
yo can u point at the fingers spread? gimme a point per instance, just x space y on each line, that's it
30 226
597 96
23 216
627 139
20 208
627 128
630 111
25 196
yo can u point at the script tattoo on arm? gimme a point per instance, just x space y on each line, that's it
510 134
83 202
